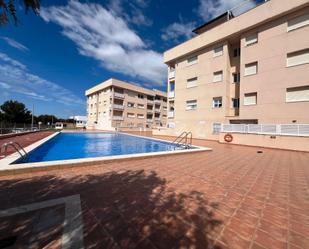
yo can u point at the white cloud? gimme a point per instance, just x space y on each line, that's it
106 37
177 31
209 9
15 78
14 44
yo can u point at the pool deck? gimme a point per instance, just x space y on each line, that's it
231 197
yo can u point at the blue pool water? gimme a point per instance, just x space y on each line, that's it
84 145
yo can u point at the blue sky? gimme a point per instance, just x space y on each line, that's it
50 60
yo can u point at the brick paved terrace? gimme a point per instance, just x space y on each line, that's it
232 197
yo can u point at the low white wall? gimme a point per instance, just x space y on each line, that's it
269 141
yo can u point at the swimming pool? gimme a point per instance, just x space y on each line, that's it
67 146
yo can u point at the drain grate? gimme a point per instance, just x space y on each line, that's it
7 242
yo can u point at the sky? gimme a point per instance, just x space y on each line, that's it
48 61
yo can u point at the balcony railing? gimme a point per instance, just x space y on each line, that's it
149 101
157 101
119 95
171 74
117 117
120 107
269 129
157 119
171 94
149 120
170 114
157 110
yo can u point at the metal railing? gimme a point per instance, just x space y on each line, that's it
16 146
119 95
183 140
268 129
116 106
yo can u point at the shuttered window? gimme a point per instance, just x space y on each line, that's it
191 105
192 60
251 39
192 82
251 68
218 51
295 94
218 76
297 58
250 99
298 22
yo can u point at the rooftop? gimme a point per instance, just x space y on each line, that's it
232 197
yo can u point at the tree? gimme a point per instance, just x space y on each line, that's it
8 8
46 119
15 112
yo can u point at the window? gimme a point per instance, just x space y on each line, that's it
236 77
235 102
217 76
140 106
251 39
217 102
140 115
250 99
251 68
295 94
192 82
216 128
298 22
192 60
297 58
130 104
218 51
130 115
191 105
140 96
236 52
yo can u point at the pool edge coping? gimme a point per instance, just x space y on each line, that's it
6 168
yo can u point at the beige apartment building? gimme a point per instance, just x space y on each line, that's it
248 69
117 104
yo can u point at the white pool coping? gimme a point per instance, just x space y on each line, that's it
6 166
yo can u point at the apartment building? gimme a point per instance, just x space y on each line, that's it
115 104
248 69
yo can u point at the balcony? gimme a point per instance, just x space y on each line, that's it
118 107
171 74
118 95
149 120
157 119
171 95
149 111
149 102
157 101
157 110
118 118
170 114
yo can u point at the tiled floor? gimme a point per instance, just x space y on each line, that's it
232 197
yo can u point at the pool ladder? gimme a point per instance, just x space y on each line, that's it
184 140
16 146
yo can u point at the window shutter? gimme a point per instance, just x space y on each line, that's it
250 99
218 76
218 51
297 94
251 68
298 22
298 58
251 39
192 82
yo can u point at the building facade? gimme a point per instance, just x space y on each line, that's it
248 69
117 104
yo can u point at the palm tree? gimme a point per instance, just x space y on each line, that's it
8 9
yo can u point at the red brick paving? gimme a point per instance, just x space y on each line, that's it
24 140
232 197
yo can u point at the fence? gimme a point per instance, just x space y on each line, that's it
6 128
268 129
